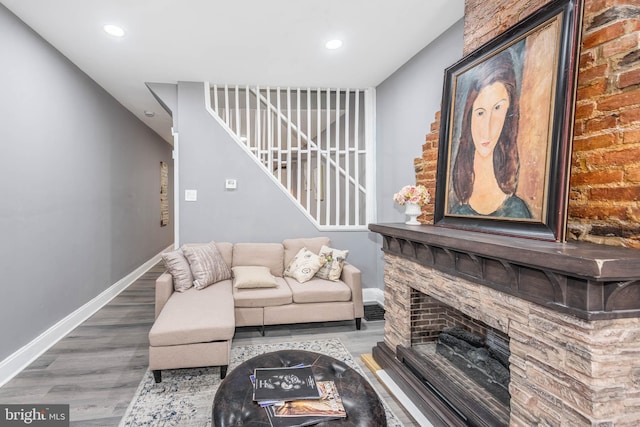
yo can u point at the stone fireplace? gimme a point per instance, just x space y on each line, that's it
570 314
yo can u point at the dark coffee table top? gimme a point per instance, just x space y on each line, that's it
234 406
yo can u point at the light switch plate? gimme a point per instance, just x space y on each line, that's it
190 195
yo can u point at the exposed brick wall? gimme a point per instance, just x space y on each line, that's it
605 168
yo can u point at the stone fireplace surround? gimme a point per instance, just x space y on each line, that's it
571 312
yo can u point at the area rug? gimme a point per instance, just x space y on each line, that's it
185 396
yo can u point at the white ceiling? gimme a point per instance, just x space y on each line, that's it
265 42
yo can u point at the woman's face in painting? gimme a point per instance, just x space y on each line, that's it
487 117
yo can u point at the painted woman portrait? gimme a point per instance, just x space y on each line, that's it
486 170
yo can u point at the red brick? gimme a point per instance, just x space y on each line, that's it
595 141
598 212
578 128
610 32
619 100
629 116
615 194
431 155
587 59
632 175
594 6
584 110
621 45
588 74
631 136
600 123
597 177
614 158
596 88
579 164
629 78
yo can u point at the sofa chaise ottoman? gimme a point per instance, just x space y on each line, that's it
194 326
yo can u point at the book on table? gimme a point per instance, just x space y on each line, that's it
285 384
309 411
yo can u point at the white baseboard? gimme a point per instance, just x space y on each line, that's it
22 358
373 296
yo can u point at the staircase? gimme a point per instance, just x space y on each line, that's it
312 142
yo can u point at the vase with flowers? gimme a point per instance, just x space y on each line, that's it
412 197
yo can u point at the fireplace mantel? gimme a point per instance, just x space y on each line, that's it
587 280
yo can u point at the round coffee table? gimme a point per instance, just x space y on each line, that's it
233 404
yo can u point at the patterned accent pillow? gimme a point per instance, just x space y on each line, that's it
178 267
335 262
304 265
207 265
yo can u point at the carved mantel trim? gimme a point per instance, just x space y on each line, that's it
587 280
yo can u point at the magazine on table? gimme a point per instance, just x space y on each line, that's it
329 404
265 402
291 383
293 421
308 412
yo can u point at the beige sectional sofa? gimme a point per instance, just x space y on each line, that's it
195 327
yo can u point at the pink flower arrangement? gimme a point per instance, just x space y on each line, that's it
417 194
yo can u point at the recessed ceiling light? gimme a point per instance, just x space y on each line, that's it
149 113
333 44
113 30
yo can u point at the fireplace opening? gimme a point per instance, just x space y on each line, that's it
463 361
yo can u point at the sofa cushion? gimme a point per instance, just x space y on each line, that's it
304 265
267 254
293 246
335 262
207 265
178 266
263 297
226 251
253 276
319 290
195 316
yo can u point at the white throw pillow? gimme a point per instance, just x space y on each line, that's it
253 277
304 265
335 259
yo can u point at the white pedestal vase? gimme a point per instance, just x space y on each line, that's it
413 211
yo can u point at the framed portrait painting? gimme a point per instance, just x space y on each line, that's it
506 128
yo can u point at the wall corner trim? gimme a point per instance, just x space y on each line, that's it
16 362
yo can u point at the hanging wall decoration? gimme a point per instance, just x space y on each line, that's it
164 194
507 124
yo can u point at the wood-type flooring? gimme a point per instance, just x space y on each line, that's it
97 367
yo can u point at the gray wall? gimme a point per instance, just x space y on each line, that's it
258 211
406 103
80 187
